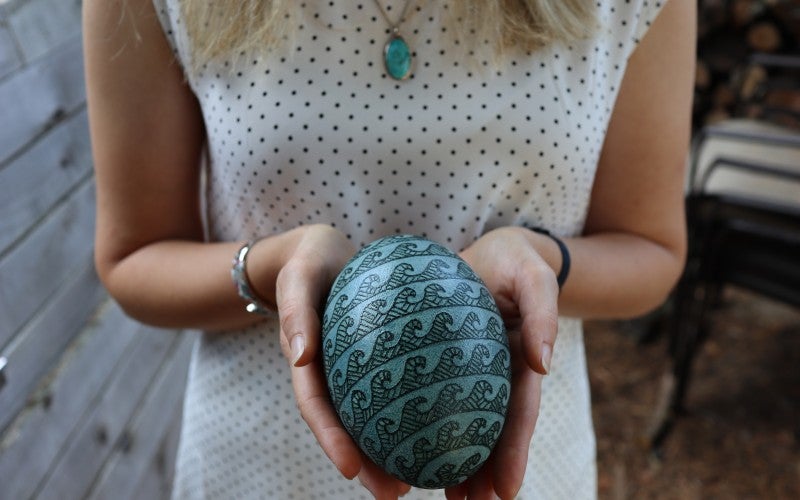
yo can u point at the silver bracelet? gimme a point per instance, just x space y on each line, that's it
242 282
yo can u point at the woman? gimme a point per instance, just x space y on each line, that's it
568 116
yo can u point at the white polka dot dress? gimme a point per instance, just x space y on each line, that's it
318 133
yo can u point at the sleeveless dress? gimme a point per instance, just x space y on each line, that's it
318 133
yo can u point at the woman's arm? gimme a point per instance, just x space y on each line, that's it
634 242
147 138
633 247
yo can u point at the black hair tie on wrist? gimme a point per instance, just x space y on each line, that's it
565 259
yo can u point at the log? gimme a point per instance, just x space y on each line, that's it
743 12
716 115
753 79
730 33
702 77
764 36
723 96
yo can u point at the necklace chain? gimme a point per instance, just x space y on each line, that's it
395 27
397 55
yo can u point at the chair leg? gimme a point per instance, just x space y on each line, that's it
682 363
692 332
691 305
657 323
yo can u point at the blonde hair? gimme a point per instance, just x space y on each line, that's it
223 28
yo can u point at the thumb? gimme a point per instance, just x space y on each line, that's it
297 294
536 293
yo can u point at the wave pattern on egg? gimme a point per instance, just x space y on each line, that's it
416 359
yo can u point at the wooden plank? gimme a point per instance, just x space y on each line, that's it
157 484
33 183
37 267
43 24
105 427
39 97
166 459
42 341
128 466
65 395
10 60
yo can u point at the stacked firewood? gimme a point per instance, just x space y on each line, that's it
748 60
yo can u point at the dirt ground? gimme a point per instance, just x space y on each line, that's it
740 438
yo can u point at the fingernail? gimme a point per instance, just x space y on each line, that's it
547 353
298 345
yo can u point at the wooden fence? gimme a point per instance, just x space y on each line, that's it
89 400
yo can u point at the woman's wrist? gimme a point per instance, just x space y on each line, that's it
240 275
563 271
265 259
547 248
268 256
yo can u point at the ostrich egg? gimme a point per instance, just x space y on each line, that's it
416 360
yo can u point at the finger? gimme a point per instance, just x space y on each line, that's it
298 293
315 407
537 296
510 455
379 483
457 492
403 488
480 485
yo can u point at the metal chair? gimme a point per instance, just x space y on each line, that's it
743 216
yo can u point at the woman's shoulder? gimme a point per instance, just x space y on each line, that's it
626 22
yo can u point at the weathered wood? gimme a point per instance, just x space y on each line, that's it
41 342
3 364
86 409
33 183
166 460
40 264
157 484
128 466
10 59
105 427
43 24
41 430
39 96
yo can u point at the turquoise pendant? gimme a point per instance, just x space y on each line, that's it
397 57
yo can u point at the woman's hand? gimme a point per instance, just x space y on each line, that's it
312 262
524 285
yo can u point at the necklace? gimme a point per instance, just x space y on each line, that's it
396 52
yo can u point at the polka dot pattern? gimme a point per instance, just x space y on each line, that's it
318 133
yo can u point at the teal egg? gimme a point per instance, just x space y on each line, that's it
416 360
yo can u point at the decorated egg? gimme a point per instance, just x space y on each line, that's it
416 360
